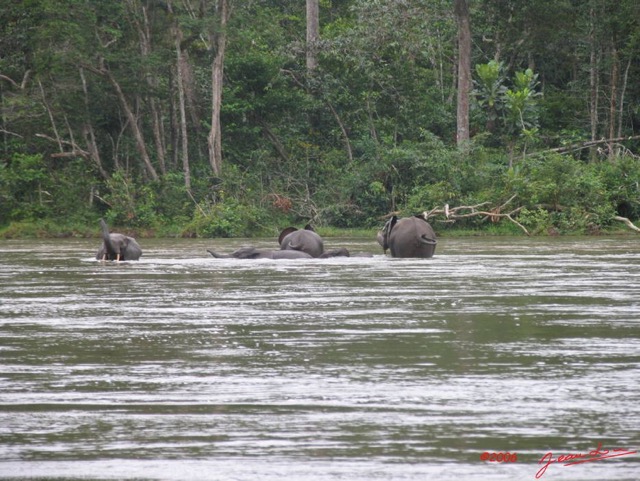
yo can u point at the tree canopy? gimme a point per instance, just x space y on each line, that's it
233 118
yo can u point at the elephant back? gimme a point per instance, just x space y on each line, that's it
412 237
303 240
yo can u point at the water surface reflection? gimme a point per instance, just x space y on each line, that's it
182 366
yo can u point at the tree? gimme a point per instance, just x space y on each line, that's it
219 42
461 8
313 33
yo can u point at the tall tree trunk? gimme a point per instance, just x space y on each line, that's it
313 34
623 90
156 118
613 111
461 8
217 70
593 76
184 138
181 122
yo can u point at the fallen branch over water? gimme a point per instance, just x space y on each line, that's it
466 211
629 224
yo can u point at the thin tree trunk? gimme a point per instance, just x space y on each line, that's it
275 141
135 128
461 8
313 34
180 122
174 120
51 118
88 132
343 129
593 77
145 44
181 107
623 91
215 134
615 67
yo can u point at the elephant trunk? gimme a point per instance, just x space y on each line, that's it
106 237
105 229
218 256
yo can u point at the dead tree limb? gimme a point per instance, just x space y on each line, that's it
466 211
76 152
582 145
629 224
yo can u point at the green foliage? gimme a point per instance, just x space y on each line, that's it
536 220
573 195
224 219
24 188
130 203
621 180
510 112
371 130
490 89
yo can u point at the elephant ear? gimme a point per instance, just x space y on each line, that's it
285 233
309 227
391 223
386 230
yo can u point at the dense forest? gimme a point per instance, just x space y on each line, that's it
238 117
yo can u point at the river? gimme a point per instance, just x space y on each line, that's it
185 367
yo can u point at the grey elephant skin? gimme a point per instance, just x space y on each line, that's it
254 253
304 240
408 237
117 247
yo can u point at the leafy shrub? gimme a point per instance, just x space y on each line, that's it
225 219
536 221
25 188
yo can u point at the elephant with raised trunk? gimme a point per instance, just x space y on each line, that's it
117 247
304 240
408 237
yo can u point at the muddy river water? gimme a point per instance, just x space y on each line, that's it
499 358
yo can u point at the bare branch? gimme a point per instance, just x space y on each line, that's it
629 224
10 80
75 152
582 145
452 214
11 133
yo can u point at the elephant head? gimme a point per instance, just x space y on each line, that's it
305 240
117 247
408 237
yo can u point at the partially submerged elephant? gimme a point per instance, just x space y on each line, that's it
255 253
408 237
304 240
117 247
294 244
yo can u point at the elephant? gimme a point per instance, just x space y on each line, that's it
117 247
340 252
408 237
254 253
305 240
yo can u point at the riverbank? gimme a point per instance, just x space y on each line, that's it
48 229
